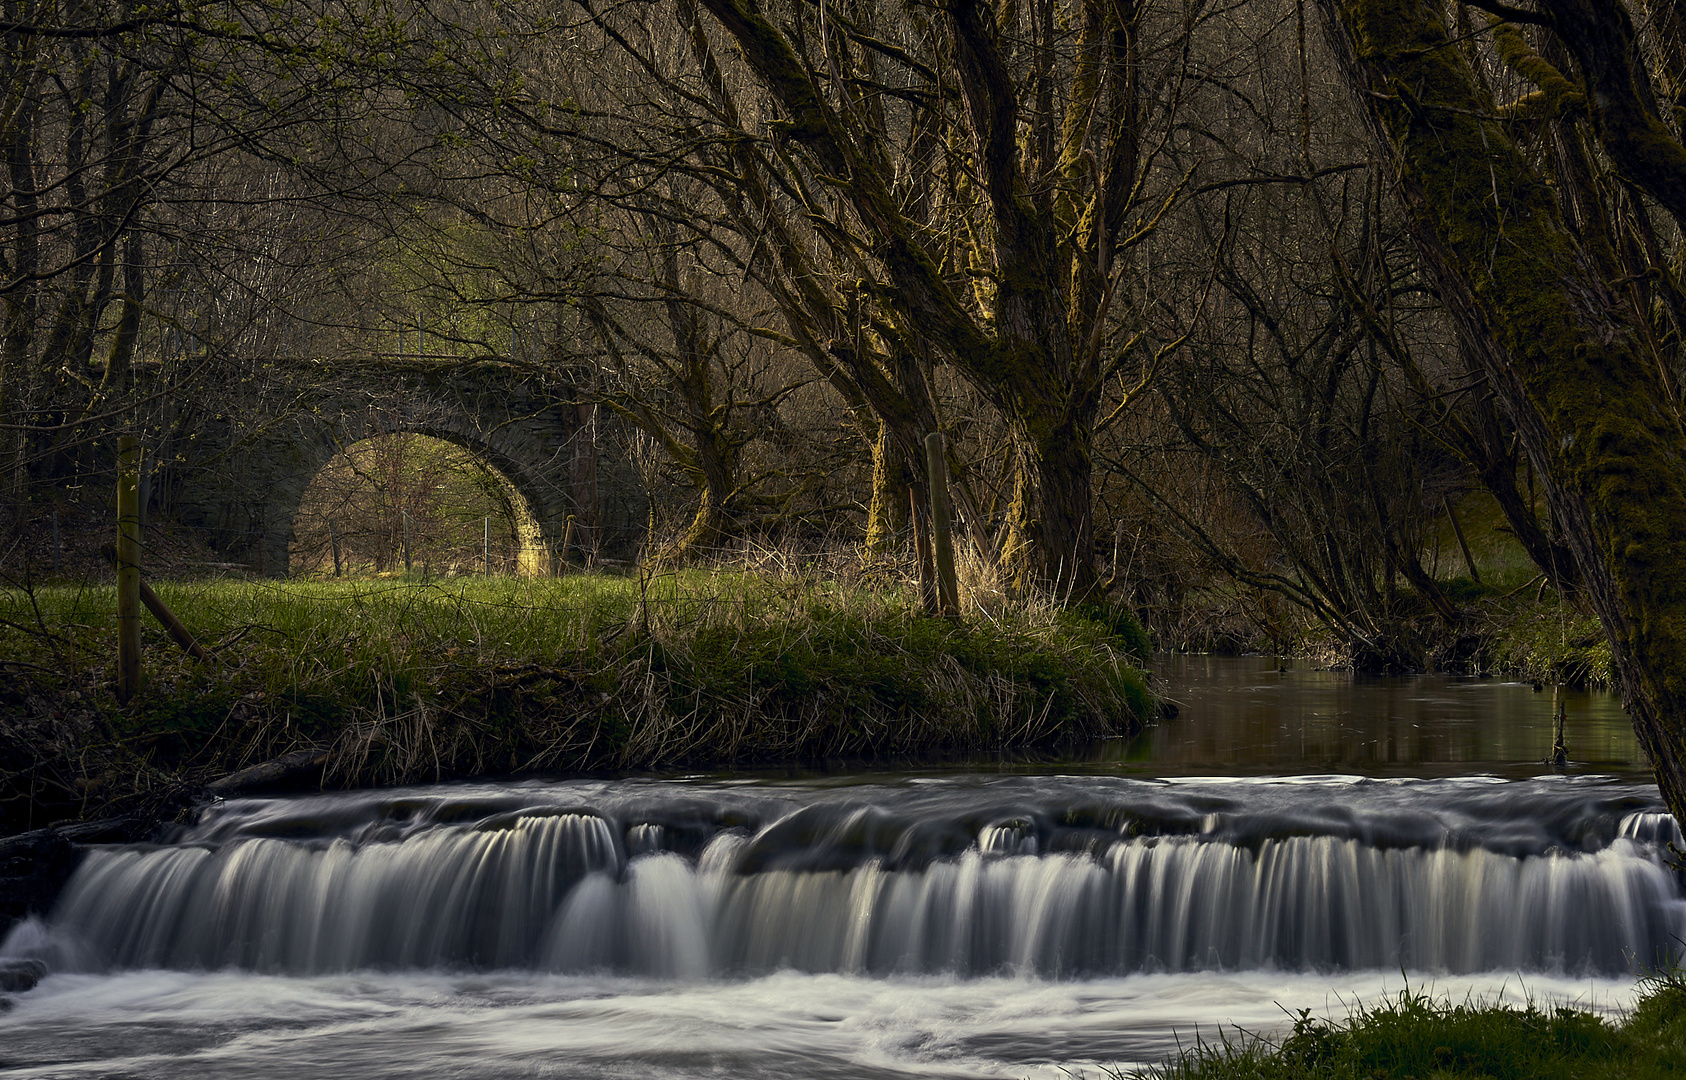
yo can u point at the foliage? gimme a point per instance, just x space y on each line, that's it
1141 263
1586 383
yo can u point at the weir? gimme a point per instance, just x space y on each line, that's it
1054 877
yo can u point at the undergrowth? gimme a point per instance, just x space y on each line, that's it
1543 639
1417 1036
1500 617
408 680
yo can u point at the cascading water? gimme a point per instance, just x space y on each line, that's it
1072 877
857 929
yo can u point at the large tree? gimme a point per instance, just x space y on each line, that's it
959 186
1572 360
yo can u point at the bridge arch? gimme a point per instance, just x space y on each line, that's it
368 471
552 459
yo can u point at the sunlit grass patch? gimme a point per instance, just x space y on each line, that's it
407 679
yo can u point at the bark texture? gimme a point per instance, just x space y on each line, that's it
1562 354
1025 321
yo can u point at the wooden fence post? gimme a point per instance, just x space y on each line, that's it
406 541
942 529
334 542
128 568
180 633
486 545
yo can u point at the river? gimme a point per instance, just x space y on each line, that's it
1292 838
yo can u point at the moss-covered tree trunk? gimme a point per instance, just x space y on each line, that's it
886 514
713 463
1028 324
1053 505
1559 349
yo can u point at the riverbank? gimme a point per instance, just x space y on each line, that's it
1494 613
1514 627
1417 1035
394 681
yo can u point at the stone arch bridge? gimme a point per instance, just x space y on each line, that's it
552 456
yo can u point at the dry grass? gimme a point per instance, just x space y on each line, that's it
771 658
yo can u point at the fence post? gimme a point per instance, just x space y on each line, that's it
128 568
180 633
406 514
334 542
567 543
942 530
486 546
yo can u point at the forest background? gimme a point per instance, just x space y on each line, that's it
1259 318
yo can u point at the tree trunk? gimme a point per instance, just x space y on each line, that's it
1051 528
886 515
1040 371
17 376
709 530
1560 350
582 475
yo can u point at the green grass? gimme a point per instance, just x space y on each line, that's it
1508 622
1415 1036
407 679
1544 640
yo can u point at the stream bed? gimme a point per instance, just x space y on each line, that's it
1291 839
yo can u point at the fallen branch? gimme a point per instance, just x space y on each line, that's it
177 631
286 767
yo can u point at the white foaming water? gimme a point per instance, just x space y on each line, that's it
939 927
398 1026
1183 904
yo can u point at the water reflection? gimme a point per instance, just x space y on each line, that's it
1259 715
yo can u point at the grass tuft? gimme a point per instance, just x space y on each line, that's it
403 680
1417 1036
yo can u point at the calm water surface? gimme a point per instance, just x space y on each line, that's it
1292 838
1255 715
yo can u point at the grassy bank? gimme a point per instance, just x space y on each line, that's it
410 680
1519 631
1501 618
1415 1036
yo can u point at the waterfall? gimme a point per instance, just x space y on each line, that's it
477 897
1119 882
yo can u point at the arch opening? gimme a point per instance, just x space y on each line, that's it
445 504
